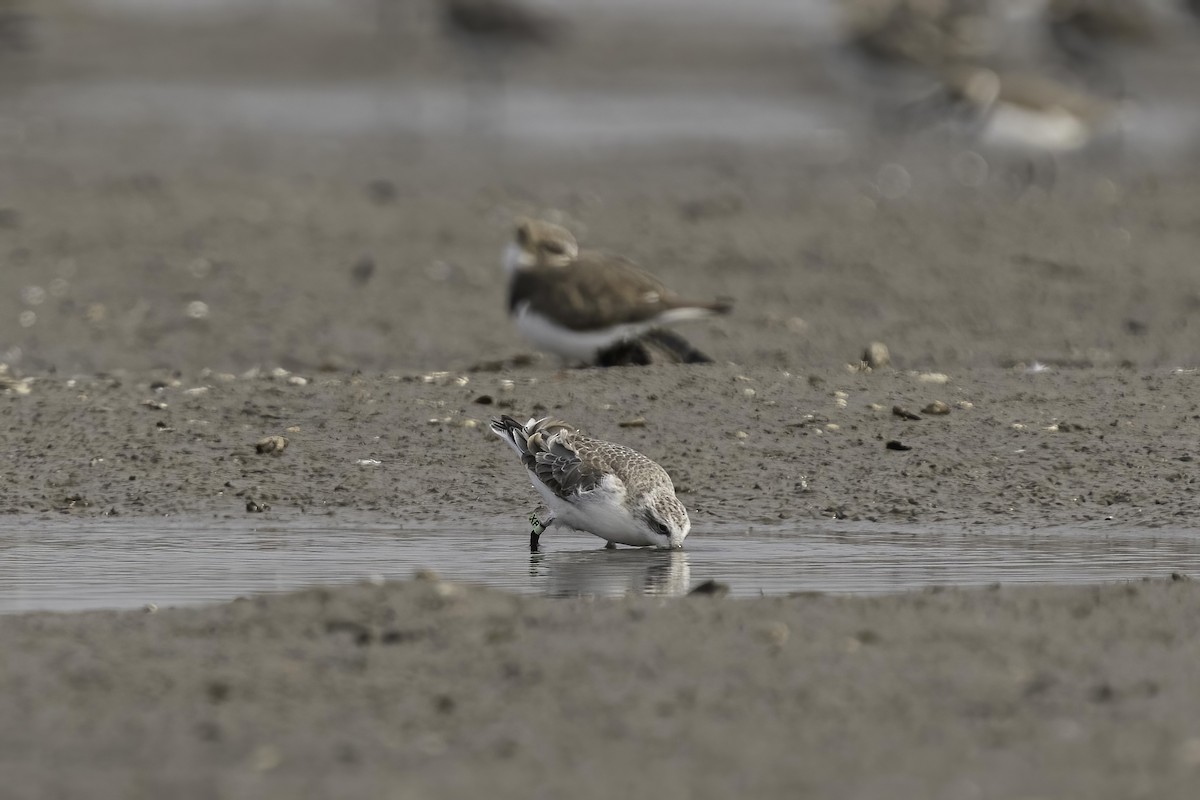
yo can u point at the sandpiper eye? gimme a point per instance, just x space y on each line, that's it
662 528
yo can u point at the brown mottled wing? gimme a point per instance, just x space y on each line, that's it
634 470
596 290
559 466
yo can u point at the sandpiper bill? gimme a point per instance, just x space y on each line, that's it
591 485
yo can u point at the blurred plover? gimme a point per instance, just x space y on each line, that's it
580 304
591 485
1026 111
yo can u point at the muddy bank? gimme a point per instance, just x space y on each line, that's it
1080 447
427 687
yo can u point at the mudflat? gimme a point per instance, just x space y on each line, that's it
171 295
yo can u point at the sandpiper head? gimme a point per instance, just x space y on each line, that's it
538 243
665 518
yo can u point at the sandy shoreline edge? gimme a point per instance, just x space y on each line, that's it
432 688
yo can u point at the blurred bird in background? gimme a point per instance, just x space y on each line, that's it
593 307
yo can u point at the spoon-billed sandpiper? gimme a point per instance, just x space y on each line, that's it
580 304
591 485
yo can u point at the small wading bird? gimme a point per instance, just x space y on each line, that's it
1018 110
591 485
594 307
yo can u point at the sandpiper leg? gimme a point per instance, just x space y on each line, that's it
610 545
538 528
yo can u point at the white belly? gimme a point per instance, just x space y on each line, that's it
1053 129
598 512
551 337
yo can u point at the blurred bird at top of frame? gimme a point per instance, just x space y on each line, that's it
16 27
916 32
593 307
488 34
599 487
1089 36
888 51
1076 23
498 23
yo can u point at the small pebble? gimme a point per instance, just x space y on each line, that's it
775 633
937 408
636 422
895 445
904 413
271 444
877 356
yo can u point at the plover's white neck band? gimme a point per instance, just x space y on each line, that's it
514 258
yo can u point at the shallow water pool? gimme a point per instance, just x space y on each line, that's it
69 565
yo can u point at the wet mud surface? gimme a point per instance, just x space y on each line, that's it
174 288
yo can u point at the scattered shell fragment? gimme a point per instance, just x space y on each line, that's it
774 632
271 444
157 405
965 405
636 422
265 758
444 378
256 508
368 462
933 377
876 355
937 408
904 413
296 380
10 384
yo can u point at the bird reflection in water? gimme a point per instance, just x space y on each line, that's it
612 573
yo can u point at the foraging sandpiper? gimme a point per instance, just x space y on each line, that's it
591 485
